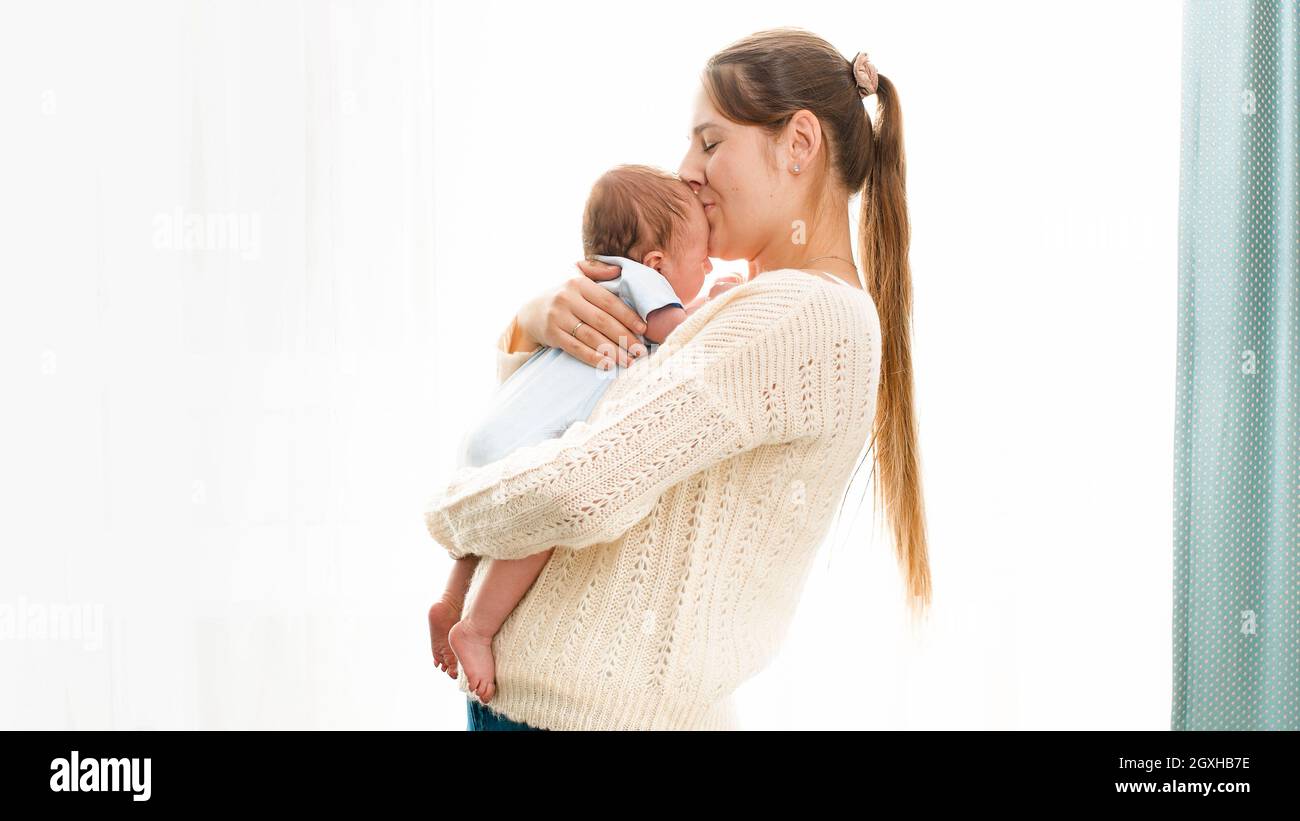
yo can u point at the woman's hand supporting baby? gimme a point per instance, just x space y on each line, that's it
609 328
609 325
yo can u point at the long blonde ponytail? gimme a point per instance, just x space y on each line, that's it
884 235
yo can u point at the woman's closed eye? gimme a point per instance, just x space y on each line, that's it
708 147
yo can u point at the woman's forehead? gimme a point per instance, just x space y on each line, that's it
704 110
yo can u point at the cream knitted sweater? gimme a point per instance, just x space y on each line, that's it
685 512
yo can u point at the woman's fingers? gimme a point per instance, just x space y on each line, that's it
595 269
576 345
603 335
613 323
565 308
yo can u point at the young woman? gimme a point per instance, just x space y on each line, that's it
686 511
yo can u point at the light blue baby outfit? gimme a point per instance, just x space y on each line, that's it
553 389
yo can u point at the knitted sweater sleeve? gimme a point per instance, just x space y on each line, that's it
712 399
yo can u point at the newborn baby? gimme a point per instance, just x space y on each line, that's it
650 224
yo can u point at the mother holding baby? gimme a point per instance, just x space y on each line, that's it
686 511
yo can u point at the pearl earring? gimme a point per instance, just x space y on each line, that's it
796 168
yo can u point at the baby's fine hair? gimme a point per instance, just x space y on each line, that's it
632 210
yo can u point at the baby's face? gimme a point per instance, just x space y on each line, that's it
686 264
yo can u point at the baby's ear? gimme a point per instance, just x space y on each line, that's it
655 260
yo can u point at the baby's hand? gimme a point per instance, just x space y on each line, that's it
724 283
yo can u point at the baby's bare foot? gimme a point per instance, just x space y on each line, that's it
474 650
442 616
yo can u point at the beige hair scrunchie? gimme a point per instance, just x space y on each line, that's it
865 74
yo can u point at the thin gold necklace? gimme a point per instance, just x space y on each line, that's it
832 256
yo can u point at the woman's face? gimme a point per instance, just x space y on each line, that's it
735 172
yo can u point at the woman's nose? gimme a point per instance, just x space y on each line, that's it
690 171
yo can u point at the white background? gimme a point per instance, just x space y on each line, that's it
216 457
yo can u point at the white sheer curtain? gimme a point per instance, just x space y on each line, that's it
219 236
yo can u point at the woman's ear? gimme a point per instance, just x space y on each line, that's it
803 139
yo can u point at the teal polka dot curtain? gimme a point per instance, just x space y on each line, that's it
1237 445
